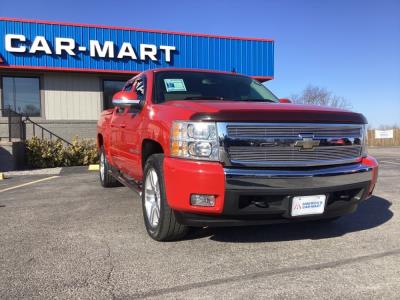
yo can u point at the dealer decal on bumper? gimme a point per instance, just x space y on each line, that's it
308 205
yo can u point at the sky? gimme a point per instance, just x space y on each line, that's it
350 47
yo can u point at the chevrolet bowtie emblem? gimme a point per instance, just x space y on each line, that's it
307 143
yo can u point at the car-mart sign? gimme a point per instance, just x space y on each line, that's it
43 45
17 43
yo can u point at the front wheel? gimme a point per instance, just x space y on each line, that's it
159 218
106 179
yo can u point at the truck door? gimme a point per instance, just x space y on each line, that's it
132 132
118 122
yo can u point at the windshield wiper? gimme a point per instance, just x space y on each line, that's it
222 98
203 98
260 100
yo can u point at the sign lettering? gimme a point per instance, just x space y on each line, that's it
18 43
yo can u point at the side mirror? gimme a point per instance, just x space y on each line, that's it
284 100
127 99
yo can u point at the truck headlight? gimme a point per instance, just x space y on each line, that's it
364 151
194 140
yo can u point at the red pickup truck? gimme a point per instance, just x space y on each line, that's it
207 148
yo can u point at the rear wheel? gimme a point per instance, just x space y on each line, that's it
106 179
159 218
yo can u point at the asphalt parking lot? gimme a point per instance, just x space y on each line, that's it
67 237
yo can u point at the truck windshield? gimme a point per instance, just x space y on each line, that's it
187 85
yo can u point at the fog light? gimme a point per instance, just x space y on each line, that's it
202 200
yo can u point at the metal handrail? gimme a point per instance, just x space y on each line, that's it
50 133
23 120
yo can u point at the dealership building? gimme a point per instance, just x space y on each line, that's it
63 75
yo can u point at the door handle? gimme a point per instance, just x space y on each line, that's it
118 126
122 126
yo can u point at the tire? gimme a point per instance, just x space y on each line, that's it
106 179
159 218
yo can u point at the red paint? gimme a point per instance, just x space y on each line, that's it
285 100
186 177
242 111
372 162
124 134
135 29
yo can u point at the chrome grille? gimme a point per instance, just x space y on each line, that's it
282 154
286 131
267 144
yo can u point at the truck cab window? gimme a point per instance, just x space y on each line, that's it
128 87
140 88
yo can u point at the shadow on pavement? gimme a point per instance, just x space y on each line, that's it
370 213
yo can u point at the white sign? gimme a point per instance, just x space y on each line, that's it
18 43
175 85
308 205
384 134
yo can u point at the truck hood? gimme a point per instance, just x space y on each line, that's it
244 111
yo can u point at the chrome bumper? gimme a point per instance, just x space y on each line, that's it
315 178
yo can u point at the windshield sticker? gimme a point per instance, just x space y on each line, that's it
175 85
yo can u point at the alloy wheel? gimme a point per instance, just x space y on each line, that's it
152 198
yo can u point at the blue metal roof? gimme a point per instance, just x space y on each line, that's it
254 57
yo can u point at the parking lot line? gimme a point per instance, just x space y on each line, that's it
390 162
28 183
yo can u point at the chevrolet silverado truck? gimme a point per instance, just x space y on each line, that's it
206 148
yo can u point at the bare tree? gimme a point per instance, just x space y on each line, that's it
386 127
320 96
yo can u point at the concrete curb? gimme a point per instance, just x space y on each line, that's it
94 167
49 171
52 171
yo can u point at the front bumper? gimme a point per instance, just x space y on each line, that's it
254 196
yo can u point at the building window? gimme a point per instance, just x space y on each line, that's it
22 94
110 87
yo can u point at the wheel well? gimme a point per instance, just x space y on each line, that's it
99 140
150 147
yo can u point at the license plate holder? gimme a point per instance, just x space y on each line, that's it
308 205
